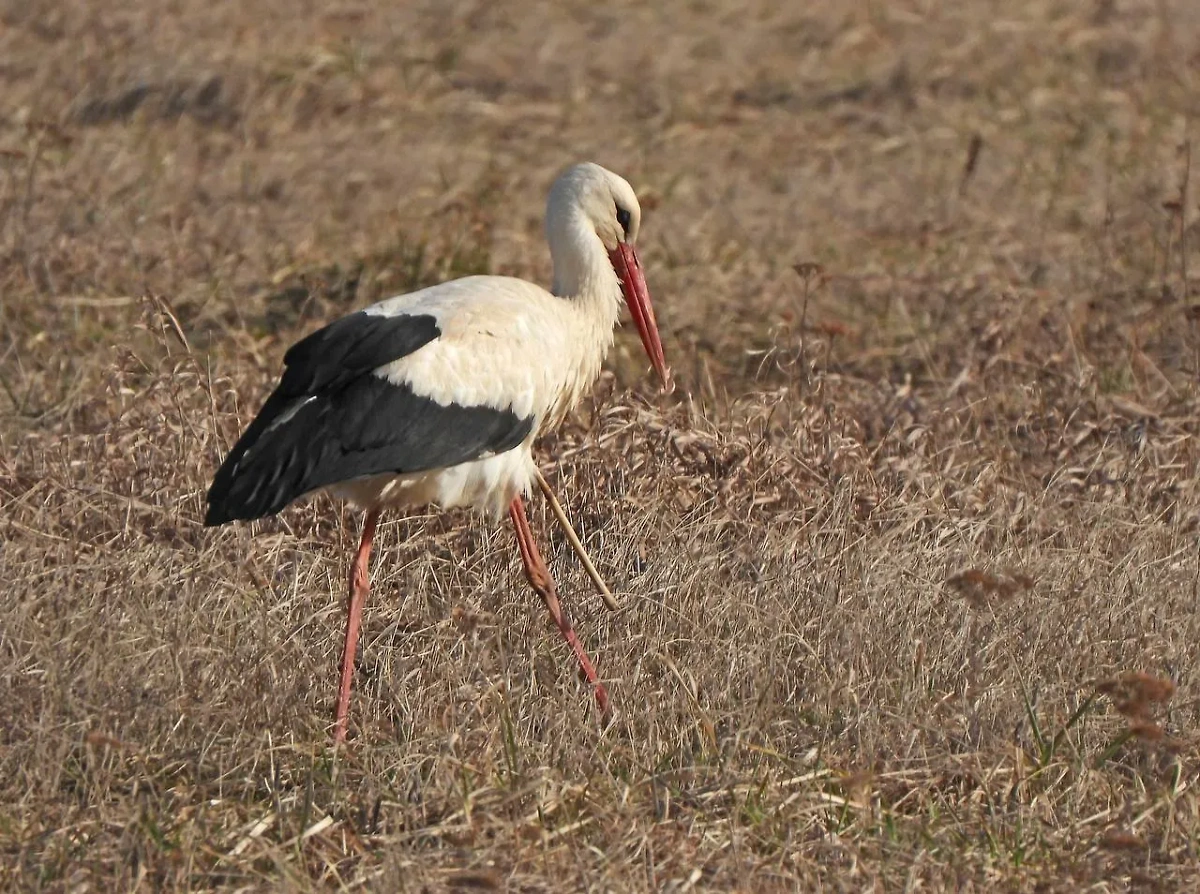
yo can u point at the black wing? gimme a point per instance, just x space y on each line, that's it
332 420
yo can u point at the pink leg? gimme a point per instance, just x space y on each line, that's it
360 583
539 578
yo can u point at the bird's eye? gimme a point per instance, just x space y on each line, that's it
624 218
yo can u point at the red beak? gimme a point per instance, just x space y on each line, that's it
629 269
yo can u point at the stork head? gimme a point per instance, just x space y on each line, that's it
589 197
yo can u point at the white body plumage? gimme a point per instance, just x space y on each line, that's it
506 344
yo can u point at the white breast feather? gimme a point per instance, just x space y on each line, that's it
504 343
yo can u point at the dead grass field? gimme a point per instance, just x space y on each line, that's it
907 558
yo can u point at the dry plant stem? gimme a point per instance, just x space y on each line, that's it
601 587
359 586
539 578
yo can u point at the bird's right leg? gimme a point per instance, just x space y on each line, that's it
539 578
360 584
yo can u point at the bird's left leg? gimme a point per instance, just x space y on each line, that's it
539 578
360 583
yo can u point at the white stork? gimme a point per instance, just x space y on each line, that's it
437 396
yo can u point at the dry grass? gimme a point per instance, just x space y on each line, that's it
911 558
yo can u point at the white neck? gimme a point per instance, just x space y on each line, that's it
583 273
591 294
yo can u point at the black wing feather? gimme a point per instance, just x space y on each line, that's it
332 420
